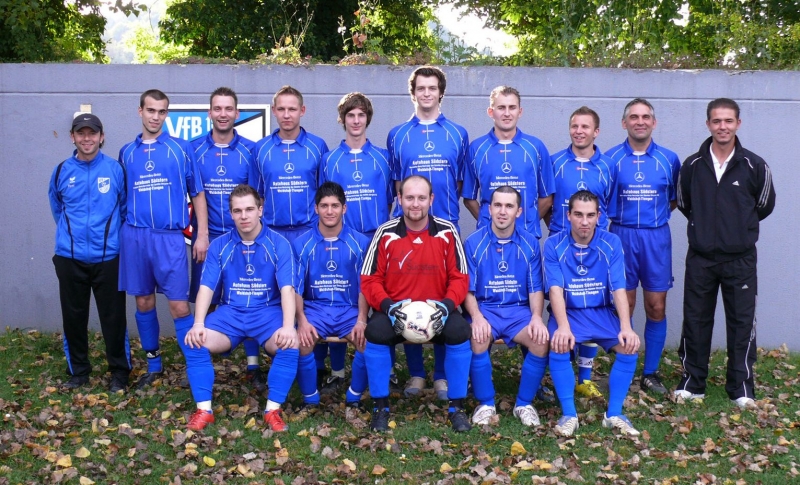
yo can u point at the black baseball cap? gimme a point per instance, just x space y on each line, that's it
87 120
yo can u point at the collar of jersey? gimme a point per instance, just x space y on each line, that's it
517 137
705 150
84 162
593 160
237 238
414 119
232 144
346 148
319 237
164 136
300 140
513 238
652 147
592 244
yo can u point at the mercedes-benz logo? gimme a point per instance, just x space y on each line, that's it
505 167
582 270
249 269
357 176
221 170
429 146
289 167
502 266
150 165
639 176
582 185
331 265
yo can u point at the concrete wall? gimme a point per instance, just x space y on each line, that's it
37 103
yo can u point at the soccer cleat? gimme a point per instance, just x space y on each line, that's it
459 421
332 385
200 419
744 402
652 382
528 415
588 389
440 387
75 382
274 421
257 379
148 379
394 385
622 423
119 382
688 396
483 414
414 386
380 420
546 395
566 425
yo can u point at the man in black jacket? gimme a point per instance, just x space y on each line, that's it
724 190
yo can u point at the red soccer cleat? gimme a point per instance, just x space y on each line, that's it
200 419
274 421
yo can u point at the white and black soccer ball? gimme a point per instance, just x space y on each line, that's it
419 328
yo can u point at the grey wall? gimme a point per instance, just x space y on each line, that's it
37 103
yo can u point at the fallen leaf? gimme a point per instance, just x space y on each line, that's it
445 468
350 464
82 452
166 415
378 470
64 462
250 423
86 481
517 449
209 461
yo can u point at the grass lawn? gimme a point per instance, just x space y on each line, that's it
90 436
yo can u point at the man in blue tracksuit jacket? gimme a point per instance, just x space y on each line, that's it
87 198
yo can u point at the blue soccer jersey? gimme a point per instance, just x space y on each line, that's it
250 274
571 175
366 179
222 167
644 185
436 150
523 163
503 272
329 268
159 175
589 275
286 174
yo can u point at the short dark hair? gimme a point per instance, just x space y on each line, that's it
507 189
428 71
504 90
224 91
411 178
351 101
243 190
153 93
636 101
330 189
585 110
722 103
584 196
288 90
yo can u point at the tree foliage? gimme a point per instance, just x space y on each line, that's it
54 30
246 29
648 33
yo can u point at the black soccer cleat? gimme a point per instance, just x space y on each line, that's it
380 420
459 421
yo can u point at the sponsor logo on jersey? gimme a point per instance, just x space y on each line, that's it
582 270
249 269
429 146
582 185
103 184
357 176
330 265
150 165
288 168
502 266
505 167
221 170
638 176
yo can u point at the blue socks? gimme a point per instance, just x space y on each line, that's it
456 366
481 375
358 384
619 381
199 369
251 349
307 379
416 368
655 336
320 353
338 352
148 327
533 368
439 357
586 355
282 373
564 381
379 363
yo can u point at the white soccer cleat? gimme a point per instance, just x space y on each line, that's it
622 423
528 415
744 402
483 414
440 387
566 425
688 396
414 386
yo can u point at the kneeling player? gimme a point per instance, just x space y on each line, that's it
585 271
329 303
505 300
254 266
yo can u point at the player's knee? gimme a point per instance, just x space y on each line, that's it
305 350
655 311
539 350
178 309
479 348
145 303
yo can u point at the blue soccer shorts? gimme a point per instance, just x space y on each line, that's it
331 321
257 323
153 260
507 321
648 256
599 325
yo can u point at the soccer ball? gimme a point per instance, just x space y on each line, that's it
418 324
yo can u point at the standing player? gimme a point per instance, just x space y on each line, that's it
287 168
433 147
507 156
416 257
329 302
362 169
160 171
724 190
224 160
505 299
642 197
87 198
581 166
585 275
254 267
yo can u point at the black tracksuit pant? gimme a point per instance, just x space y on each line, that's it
738 280
76 282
